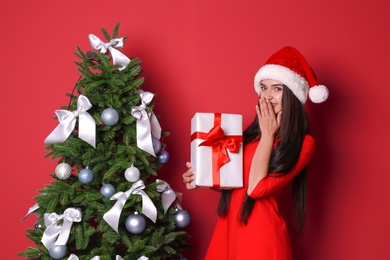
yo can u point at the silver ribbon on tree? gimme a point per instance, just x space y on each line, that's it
148 209
59 234
168 196
31 210
179 197
74 257
147 124
117 56
67 119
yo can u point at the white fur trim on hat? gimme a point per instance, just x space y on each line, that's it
295 82
318 94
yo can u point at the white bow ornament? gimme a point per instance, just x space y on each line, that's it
117 56
147 125
148 209
168 195
59 234
67 119
74 257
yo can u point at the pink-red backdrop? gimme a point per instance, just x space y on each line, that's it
201 56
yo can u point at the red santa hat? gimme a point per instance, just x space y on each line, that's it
289 67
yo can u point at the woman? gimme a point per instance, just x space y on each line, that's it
277 149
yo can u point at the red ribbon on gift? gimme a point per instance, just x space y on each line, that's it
220 144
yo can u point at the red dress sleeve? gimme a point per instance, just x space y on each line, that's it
275 182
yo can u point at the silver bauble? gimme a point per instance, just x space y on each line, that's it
63 171
163 157
132 174
57 252
182 218
135 223
110 116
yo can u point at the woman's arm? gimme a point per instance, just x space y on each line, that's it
269 124
260 162
274 182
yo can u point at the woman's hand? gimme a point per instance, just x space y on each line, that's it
269 122
188 177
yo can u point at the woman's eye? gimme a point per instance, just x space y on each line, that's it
278 89
262 87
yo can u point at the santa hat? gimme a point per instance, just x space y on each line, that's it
289 67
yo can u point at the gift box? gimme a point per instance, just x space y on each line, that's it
217 150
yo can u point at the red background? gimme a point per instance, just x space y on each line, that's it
201 56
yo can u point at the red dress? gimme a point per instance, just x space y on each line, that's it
265 236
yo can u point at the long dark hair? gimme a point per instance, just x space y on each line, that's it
294 126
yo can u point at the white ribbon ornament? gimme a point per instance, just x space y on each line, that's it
31 210
74 257
147 125
148 208
117 56
59 234
179 196
168 196
67 119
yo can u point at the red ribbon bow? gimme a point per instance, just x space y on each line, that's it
219 143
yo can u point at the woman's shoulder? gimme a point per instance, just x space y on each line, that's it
308 141
309 138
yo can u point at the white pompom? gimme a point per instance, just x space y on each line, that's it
318 94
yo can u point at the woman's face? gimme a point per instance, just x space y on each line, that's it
273 91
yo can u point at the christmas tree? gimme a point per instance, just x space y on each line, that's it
106 201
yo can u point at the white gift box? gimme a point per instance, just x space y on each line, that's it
220 146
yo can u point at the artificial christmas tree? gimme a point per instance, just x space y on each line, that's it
105 201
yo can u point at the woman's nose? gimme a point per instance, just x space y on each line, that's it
267 95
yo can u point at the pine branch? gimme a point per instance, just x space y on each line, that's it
116 30
106 34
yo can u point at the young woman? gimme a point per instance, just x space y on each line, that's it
277 149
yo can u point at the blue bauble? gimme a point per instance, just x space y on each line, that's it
86 176
135 223
182 218
110 116
71 136
37 225
163 157
156 145
57 252
107 190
